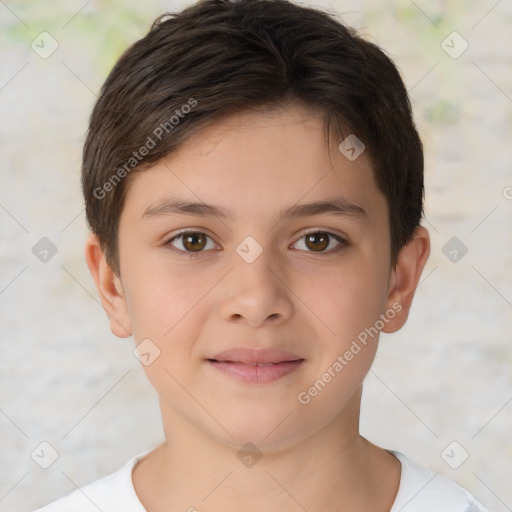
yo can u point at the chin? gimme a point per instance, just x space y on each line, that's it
267 432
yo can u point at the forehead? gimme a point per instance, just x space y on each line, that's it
258 162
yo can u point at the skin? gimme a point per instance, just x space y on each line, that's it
295 296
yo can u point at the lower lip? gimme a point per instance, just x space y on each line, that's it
253 374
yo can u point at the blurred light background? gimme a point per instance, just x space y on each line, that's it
66 380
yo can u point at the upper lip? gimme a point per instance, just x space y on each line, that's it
251 355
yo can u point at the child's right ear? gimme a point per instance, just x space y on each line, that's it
109 288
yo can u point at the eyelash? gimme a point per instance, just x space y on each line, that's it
343 244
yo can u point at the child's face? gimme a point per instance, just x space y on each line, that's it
299 295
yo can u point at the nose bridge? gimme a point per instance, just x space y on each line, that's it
256 292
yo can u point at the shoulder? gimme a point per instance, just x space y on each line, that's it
112 493
423 490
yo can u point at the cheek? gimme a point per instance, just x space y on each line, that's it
346 300
170 313
167 304
348 306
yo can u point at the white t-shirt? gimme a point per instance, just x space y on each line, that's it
420 490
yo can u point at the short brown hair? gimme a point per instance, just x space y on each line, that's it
222 57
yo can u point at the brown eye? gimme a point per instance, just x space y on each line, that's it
317 241
191 243
321 242
194 241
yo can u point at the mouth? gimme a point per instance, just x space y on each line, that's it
256 366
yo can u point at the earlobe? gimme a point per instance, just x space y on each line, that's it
405 277
109 288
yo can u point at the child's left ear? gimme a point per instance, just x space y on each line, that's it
405 277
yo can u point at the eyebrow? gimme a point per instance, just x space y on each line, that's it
333 206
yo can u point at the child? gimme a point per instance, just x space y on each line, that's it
253 181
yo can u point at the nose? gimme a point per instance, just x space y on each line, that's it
256 294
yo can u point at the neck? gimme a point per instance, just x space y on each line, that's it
192 470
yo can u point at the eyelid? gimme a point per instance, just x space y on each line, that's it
187 230
329 231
